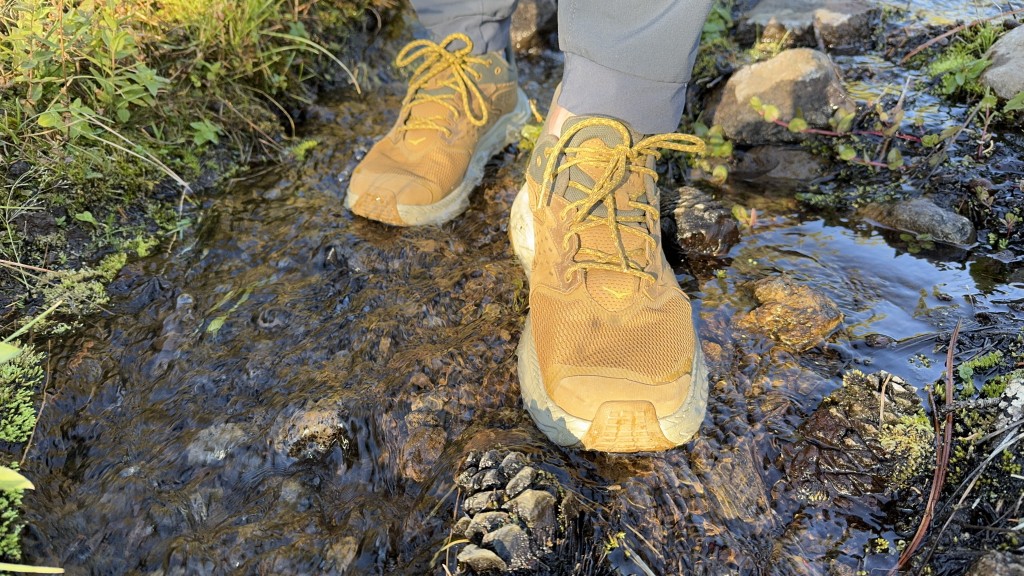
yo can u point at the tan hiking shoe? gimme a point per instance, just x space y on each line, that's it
609 357
460 110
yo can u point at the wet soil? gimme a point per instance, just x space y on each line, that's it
294 390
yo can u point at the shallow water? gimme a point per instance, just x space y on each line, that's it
172 440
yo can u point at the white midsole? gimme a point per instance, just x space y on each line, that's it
561 427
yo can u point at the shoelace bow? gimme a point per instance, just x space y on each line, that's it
438 59
616 165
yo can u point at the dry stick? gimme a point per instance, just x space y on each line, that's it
20 265
956 30
941 460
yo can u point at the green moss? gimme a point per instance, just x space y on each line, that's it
984 362
18 378
10 524
83 291
909 442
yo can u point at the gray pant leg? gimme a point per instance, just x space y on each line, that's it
630 60
486 22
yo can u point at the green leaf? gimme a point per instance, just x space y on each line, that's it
771 113
204 131
50 119
11 480
930 140
846 122
755 103
894 159
1015 103
8 352
846 153
720 174
87 217
797 125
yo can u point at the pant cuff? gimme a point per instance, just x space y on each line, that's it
648 106
487 36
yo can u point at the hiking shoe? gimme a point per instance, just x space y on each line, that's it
609 358
460 110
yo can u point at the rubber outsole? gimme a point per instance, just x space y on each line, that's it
504 132
617 426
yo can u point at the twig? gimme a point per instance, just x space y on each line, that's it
956 30
20 265
881 401
942 448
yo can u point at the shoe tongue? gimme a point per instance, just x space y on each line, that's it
614 290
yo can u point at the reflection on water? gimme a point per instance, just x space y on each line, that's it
293 393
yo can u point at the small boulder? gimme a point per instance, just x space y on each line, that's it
703 226
211 445
531 22
481 560
840 23
790 166
1007 57
791 313
536 509
512 545
485 522
797 81
309 433
521 481
922 216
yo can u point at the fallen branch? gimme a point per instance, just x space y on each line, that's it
942 448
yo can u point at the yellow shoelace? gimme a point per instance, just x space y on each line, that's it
615 165
437 60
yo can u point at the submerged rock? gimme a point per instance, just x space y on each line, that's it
922 216
703 226
840 23
800 81
791 313
869 437
309 433
1004 75
781 165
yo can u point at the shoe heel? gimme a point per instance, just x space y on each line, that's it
626 426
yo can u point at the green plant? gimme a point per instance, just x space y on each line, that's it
958 68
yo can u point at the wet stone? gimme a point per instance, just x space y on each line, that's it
520 482
779 165
309 434
840 23
211 445
869 437
468 480
513 463
462 525
481 560
512 544
490 459
791 313
490 500
485 522
923 217
536 508
494 478
703 226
